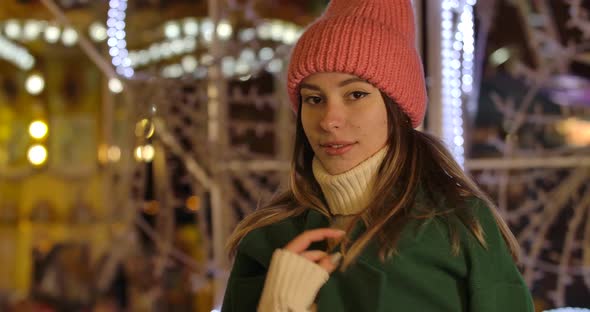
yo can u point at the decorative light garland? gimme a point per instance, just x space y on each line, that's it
116 34
457 49
16 54
127 61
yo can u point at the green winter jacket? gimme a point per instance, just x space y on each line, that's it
422 276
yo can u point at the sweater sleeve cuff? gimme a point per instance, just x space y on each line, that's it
292 283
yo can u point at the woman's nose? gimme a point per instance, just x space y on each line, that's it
333 117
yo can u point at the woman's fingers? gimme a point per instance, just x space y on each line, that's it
302 242
330 262
314 255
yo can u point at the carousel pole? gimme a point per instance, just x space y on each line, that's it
434 74
218 143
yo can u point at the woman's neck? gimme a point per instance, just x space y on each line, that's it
349 193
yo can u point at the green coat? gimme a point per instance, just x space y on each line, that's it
423 276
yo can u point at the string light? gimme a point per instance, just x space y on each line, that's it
457 52
35 84
12 29
37 154
98 32
144 153
115 85
33 29
52 33
116 34
191 27
69 37
38 129
224 30
172 30
16 54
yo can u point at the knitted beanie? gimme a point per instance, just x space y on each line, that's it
372 39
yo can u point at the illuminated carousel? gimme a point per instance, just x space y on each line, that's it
134 135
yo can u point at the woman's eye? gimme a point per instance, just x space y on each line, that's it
312 99
358 95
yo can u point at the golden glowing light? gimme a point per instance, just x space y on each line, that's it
38 129
37 154
193 203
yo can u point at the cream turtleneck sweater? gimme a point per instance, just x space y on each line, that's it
293 282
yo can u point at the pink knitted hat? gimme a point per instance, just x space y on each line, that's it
372 39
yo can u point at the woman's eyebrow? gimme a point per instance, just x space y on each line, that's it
310 86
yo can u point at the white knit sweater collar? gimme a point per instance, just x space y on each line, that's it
349 193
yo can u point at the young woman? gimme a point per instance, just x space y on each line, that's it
378 216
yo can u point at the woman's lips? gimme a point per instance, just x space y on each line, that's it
336 148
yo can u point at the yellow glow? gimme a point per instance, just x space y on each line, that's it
193 203
152 207
103 153
35 84
38 129
147 153
114 153
37 154
138 153
576 131
144 128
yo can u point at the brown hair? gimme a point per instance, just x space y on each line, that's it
413 160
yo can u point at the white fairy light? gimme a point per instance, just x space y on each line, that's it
115 85
277 30
69 37
207 29
35 84
13 29
32 30
242 67
116 34
191 27
266 54
224 30
247 34
275 66
248 55
172 71
190 44
264 31
172 30
189 63
52 33
98 32
290 35
16 54
177 46
457 53
228 66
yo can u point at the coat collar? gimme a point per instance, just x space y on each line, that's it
360 288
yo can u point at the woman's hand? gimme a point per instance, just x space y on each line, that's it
300 244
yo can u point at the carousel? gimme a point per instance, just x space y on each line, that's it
134 135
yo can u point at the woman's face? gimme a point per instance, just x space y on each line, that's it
344 119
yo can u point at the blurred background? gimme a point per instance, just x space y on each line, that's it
135 134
